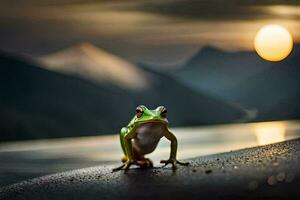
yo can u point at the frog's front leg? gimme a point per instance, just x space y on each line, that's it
126 136
173 154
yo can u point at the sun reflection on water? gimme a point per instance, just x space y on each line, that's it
269 132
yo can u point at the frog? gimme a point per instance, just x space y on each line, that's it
142 135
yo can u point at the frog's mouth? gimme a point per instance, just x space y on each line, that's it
152 124
154 121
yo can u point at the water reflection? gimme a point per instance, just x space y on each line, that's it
35 158
269 132
193 141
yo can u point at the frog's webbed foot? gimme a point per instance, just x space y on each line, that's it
145 163
118 168
174 162
124 166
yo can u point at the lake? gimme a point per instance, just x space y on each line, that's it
29 159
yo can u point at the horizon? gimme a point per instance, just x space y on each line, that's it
168 66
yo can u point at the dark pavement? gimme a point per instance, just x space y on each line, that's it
265 172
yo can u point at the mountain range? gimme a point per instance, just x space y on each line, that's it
274 92
270 89
214 70
46 101
96 65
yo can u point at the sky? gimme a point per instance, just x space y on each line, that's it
160 32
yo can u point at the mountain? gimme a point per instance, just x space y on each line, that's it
215 71
93 64
274 92
270 89
39 103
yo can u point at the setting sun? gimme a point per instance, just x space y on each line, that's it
273 42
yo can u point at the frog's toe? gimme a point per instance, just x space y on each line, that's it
170 161
183 163
173 162
118 168
166 162
127 166
124 167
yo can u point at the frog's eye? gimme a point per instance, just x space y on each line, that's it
164 113
139 111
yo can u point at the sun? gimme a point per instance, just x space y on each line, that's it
273 42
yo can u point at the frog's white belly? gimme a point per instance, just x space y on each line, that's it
148 136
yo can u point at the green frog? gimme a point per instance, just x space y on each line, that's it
141 136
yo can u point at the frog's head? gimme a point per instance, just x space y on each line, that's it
144 115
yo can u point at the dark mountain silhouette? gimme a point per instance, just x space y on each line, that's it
37 103
214 70
270 88
274 92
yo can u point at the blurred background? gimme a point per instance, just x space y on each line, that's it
73 68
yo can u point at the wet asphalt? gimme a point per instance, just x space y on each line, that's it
264 172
